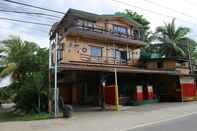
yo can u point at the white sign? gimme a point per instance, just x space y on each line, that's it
189 80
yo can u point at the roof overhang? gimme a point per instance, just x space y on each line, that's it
106 68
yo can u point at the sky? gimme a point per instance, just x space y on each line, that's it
157 12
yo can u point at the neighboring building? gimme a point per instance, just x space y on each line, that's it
6 81
92 49
2 57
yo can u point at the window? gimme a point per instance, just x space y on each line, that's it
129 55
59 54
96 51
119 29
86 23
136 34
116 54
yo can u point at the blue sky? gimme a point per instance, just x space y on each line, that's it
39 34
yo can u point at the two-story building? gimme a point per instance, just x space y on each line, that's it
94 54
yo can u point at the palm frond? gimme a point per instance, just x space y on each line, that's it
8 70
173 39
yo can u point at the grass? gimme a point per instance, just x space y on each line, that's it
11 116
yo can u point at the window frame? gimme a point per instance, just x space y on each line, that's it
96 47
86 23
119 27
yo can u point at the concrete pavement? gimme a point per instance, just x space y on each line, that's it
130 118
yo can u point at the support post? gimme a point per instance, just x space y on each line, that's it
116 90
55 89
182 100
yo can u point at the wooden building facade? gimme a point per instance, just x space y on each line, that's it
90 51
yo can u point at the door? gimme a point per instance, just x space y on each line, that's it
123 57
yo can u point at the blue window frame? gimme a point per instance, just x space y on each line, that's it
96 51
119 29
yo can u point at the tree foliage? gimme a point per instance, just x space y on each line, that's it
136 17
148 35
173 41
29 65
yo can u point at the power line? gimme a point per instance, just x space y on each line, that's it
151 11
165 7
31 13
33 6
35 30
22 21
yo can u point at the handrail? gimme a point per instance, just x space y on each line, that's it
103 59
104 30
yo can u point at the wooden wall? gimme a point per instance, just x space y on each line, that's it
73 49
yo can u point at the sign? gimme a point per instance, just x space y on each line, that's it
187 80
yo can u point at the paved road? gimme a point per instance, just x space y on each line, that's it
188 123
118 121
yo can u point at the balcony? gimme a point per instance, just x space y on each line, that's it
102 34
103 60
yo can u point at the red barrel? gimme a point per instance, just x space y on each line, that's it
139 94
150 92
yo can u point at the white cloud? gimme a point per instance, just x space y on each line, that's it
39 34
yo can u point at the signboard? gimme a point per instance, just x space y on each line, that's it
187 80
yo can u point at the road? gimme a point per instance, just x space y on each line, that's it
188 123
177 117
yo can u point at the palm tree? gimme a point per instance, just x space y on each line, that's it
7 68
18 53
173 41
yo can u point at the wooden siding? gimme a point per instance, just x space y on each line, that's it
73 50
167 65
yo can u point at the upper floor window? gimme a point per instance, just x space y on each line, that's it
116 54
86 23
59 54
136 34
183 64
96 51
119 29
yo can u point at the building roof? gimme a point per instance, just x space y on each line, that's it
90 16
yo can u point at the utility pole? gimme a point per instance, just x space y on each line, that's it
116 90
55 89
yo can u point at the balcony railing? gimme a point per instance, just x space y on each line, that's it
101 30
102 60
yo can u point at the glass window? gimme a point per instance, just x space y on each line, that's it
136 34
116 54
119 29
86 23
96 51
59 54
